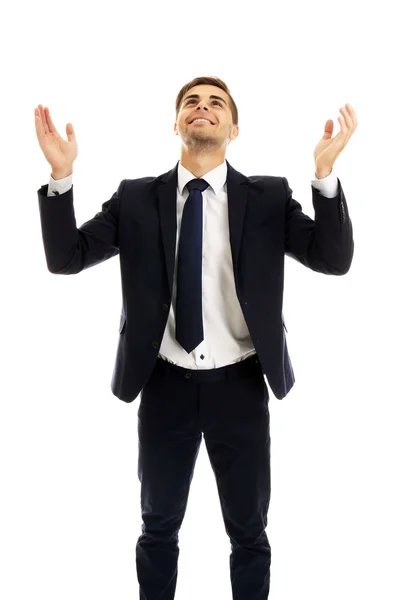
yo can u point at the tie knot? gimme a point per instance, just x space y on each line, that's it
197 184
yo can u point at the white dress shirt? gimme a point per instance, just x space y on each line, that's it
226 336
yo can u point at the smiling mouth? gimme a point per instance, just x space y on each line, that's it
205 122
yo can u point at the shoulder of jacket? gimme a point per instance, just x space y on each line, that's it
265 181
265 178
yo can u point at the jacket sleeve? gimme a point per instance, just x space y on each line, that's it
325 244
70 249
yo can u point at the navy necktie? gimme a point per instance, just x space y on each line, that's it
189 310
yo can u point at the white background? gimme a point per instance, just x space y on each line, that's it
70 495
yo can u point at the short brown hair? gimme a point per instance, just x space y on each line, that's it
207 81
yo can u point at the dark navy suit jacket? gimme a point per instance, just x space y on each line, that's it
139 224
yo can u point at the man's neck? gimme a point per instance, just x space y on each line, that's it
200 165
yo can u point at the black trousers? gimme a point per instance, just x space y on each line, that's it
229 405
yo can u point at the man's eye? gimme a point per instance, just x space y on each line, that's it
192 100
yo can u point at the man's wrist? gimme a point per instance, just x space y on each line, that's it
61 174
322 173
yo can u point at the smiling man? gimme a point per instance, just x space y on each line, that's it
202 250
204 124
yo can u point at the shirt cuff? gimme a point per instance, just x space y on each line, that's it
328 186
59 186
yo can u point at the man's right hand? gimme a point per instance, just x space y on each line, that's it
58 152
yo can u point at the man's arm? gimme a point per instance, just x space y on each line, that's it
69 249
326 243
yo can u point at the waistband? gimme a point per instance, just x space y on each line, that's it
239 370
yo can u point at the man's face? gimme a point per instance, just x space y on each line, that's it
199 135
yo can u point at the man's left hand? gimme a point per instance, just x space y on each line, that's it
327 150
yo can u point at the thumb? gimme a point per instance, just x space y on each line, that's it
328 129
70 132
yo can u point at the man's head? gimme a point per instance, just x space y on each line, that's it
196 100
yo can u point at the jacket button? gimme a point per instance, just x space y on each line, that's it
165 306
188 375
155 344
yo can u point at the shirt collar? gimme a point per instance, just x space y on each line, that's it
215 178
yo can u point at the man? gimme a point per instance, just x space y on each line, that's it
201 254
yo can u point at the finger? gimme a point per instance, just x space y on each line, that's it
50 123
344 131
346 124
43 118
353 114
342 122
38 123
349 120
346 116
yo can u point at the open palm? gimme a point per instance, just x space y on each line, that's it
328 148
59 153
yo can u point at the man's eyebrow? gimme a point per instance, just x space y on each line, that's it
197 96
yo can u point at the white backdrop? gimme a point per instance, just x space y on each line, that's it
70 495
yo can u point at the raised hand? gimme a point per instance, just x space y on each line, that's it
58 152
328 148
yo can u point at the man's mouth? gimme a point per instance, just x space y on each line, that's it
201 121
